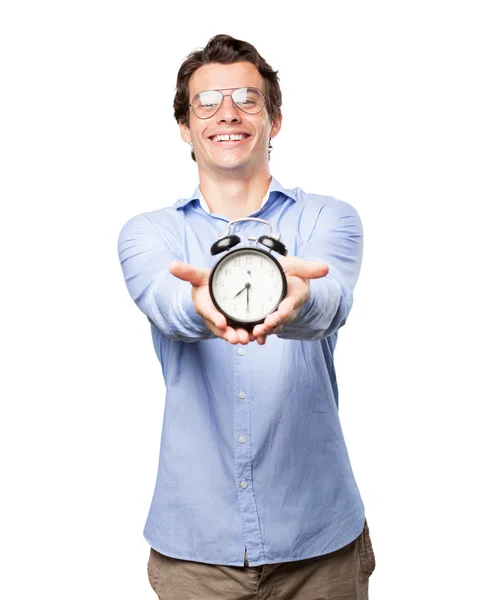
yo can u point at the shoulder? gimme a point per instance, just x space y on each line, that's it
319 209
166 223
163 218
317 202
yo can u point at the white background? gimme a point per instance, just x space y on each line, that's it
380 110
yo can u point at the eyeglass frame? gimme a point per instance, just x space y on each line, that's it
243 87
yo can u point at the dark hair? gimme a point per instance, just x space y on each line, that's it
226 50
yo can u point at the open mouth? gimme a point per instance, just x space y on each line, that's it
233 138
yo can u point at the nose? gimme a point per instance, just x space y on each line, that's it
228 113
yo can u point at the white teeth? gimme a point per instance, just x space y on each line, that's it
229 138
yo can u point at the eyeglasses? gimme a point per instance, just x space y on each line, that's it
249 100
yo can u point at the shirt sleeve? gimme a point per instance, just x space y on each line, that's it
145 254
337 240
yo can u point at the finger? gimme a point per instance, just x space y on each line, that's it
206 309
228 334
243 336
220 321
293 265
231 335
213 316
276 317
259 330
287 306
189 273
272 321
261 339
279 317
265 328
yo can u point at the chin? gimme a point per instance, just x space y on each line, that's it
231 165
234 168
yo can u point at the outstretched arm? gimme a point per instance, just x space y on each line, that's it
316 307
145 251
298 273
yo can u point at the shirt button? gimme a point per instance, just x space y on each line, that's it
240 351
242 439
244 485
242 395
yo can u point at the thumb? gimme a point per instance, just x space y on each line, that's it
306 269
189 273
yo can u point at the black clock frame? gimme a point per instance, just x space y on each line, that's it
248 325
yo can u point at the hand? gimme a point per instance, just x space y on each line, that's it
298 273
214 320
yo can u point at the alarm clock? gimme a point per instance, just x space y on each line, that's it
247 283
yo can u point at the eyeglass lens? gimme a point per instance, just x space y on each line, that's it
206 104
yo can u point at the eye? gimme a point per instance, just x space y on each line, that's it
247 97
246 100
207 99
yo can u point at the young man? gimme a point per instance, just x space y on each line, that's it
255 494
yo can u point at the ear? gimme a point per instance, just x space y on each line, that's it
185 133
276 125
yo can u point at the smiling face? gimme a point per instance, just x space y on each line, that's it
215 149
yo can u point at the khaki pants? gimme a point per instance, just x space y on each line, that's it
340 575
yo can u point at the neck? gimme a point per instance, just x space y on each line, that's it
235 197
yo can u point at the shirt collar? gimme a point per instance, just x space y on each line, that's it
206 208
274 186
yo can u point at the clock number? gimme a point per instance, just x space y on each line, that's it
249 260
237 262
261 308
227 272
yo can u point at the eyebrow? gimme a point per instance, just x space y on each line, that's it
239 87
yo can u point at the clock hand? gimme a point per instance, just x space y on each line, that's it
245 287
248 285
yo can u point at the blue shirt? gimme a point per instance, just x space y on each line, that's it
252 454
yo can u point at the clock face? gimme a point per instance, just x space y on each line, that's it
247 285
